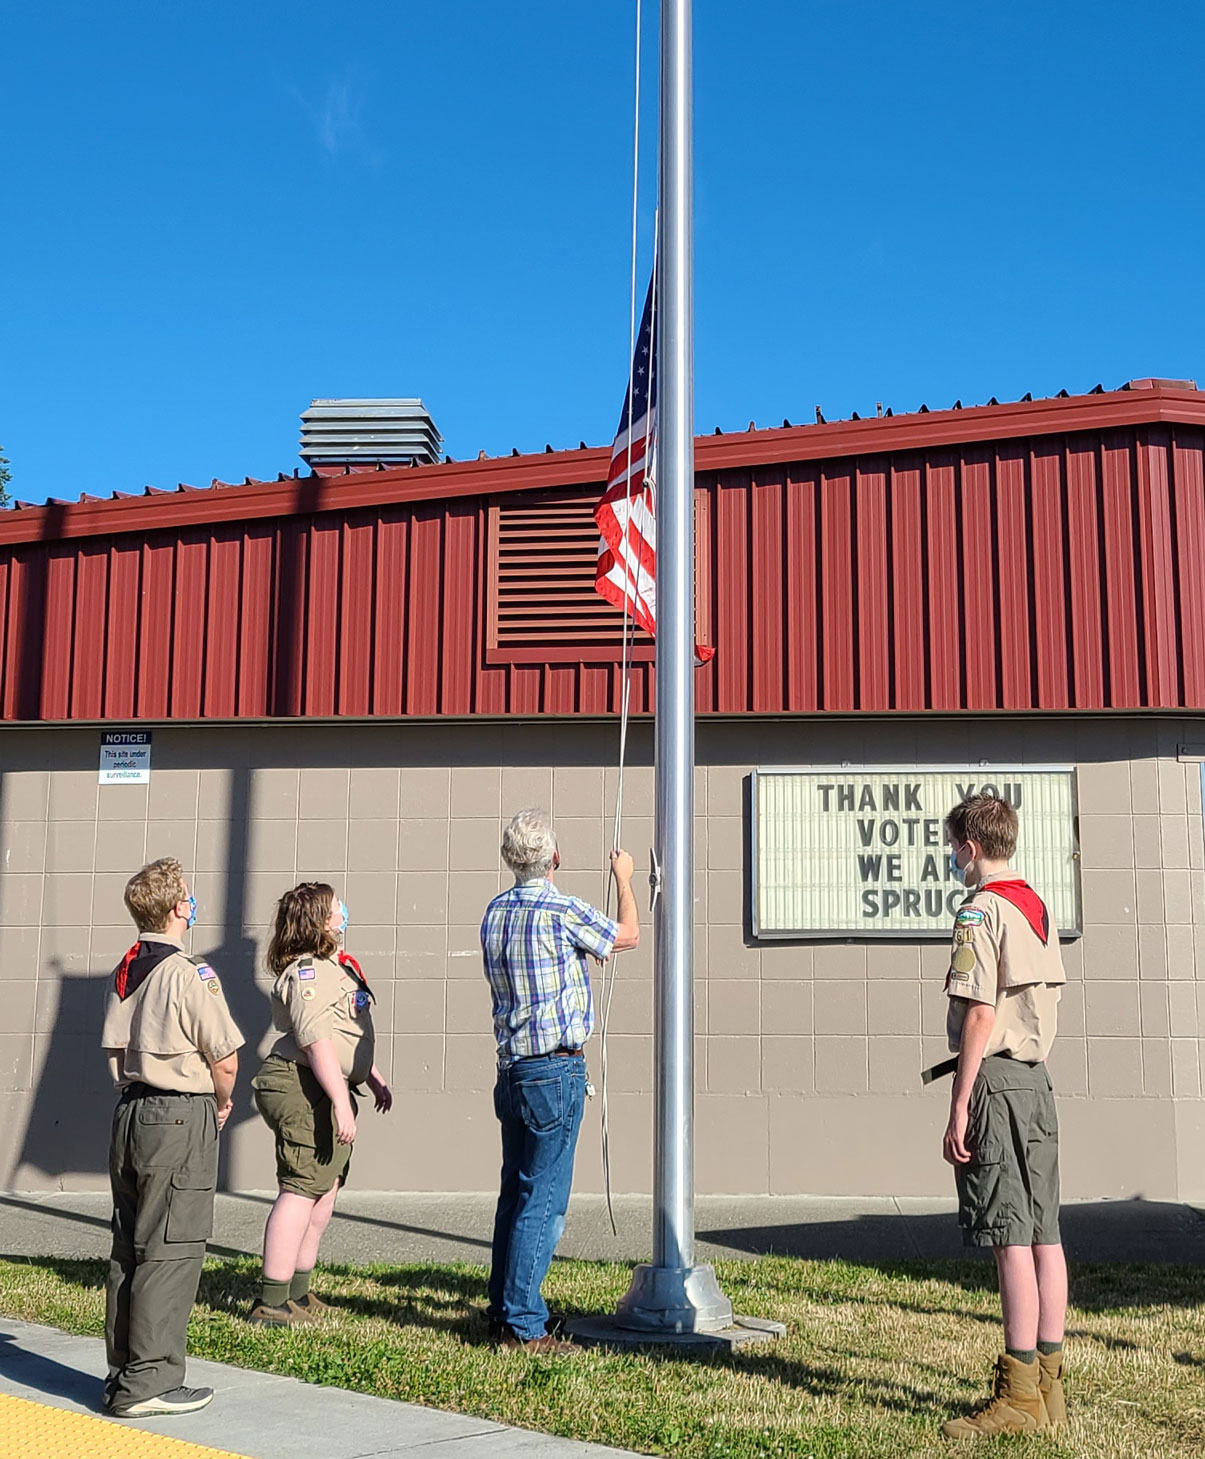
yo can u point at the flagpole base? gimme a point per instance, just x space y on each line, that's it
674 1300
674 1307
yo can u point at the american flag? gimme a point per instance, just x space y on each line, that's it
627 514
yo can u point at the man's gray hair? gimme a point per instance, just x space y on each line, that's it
529 845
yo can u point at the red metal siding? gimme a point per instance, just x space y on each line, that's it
874 623
1083 556
1188 448
1011 619
1121 599
1050 568
802 688
978 580
943 582
1158 577
1047 531
907 583
767 643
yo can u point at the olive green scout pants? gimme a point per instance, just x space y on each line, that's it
163 1167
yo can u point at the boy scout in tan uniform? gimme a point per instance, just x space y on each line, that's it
1004 985
171 1045
305 1090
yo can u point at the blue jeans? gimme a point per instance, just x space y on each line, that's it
539 1104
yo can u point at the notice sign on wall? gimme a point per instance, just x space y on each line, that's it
862 852
125 757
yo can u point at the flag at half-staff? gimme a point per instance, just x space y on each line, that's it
627 515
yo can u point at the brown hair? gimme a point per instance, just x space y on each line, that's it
987 819
151 894
301 925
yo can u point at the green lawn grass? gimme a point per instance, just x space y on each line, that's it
875 1356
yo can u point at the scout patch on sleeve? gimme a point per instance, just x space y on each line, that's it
305 971
959 977
962 935
361 1000
969 917
205 971
214 986
964 959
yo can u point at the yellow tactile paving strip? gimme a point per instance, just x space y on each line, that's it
33 1431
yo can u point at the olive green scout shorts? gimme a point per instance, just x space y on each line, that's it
309 1159
1009 1193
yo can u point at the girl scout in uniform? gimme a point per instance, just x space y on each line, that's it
322 1009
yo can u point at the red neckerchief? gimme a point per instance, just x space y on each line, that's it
137 966
347 961
1026 901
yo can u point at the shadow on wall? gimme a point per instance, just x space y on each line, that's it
71 1108
235 956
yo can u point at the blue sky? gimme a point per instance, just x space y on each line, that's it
213 213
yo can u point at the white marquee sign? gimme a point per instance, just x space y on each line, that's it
862 852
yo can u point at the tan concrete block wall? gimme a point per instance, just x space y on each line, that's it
807 1054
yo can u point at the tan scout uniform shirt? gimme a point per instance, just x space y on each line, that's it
322 1001
169 1030
1007 965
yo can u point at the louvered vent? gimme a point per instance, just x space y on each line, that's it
543 549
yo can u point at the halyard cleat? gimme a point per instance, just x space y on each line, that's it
1015 1407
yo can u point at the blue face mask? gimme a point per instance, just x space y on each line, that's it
343 914
960 872
192 910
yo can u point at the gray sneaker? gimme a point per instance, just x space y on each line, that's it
175 1400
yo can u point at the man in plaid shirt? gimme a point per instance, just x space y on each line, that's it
534 942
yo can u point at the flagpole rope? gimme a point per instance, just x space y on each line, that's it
629 636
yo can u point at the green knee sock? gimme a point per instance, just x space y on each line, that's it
273 1294
1023 1355
299 1287
1048 1348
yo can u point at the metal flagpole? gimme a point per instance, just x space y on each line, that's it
672 1293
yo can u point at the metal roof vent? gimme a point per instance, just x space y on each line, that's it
1156 383
368 433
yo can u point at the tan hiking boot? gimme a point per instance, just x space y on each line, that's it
1015 1407
1051 1385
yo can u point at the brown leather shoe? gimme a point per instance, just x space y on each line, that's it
312 1306
1015 1407
290 1315
546 1346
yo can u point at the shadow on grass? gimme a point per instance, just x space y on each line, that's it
452 1301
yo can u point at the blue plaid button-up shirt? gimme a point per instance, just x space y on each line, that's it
534 942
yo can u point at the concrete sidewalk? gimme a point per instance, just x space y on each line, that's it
400 1228
263 1416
